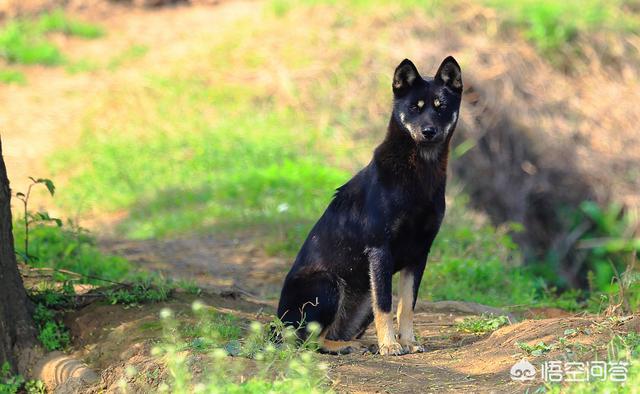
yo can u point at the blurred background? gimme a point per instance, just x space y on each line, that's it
202 139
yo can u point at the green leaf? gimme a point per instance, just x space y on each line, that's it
49 184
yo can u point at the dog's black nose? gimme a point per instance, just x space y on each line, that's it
429 132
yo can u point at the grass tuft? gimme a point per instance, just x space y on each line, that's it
482 324
8 76
58 21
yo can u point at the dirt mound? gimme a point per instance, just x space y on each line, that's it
113 338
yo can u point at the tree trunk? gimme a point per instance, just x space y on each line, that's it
18 335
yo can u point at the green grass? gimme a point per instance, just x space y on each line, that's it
139 292
473 261
482 324
70 248
25 41
21 42
251 164
58 21
554 25
8 76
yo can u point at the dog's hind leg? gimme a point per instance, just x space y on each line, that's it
338 347
310 297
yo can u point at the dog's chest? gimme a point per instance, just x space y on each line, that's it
414 223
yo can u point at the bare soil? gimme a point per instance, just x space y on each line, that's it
111 338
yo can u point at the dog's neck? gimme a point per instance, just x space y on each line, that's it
400 158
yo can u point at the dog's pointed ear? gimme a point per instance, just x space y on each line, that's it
449 74
403 78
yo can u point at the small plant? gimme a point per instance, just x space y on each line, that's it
538 349
30 218
482 324
53 334
9 383
35 387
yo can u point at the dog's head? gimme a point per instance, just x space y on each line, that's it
427 108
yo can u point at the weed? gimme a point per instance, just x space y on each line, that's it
140 292
277 368
189 286
538 349
35 387
482 324
9 383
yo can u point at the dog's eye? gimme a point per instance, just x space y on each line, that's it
436 103
420 104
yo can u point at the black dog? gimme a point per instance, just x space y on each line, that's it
382 221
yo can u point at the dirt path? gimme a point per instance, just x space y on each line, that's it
212 262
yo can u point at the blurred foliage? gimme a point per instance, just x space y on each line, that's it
252 165
58 21
12 76
612 245
553 26
25 41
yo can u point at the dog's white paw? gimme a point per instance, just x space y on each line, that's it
391 349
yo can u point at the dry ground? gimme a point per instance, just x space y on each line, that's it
110 338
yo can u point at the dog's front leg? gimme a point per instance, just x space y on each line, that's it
380 273
407 291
